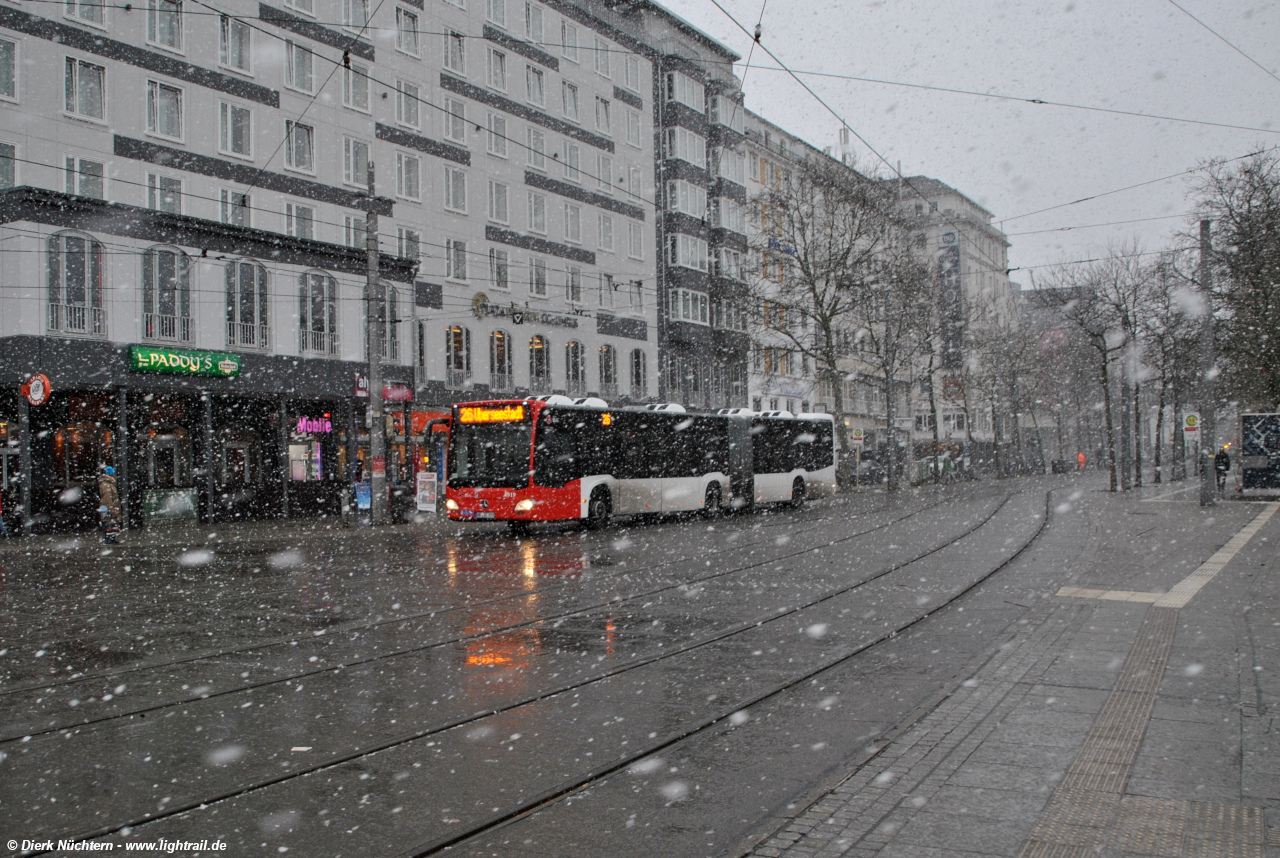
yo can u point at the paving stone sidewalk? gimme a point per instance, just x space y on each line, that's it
1105 727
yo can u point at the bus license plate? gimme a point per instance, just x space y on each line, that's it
486 515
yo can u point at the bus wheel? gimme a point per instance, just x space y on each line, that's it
797 493
518 528
598 510
711 504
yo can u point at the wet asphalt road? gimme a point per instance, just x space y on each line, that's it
654 688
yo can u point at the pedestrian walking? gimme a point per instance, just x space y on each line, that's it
1080 460
109 505
1221 467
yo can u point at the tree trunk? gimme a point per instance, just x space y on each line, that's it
995 442
891 448
933 411
1110 423
1159 433
1137 435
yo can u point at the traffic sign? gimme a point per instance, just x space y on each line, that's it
1191 422
859 436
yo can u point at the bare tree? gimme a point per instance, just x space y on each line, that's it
1171 324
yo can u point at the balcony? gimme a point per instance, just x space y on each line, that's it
246 336
540 383
319 342
608 390
175 329
576 387
78 319
457 379
639 393
501 382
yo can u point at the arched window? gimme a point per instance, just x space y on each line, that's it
75 285
608 372
246 283
575 368
639 374
166 295
391 323
500 361
318 312
539 363
457 356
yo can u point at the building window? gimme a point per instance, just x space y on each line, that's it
164 23
498 202
569 95
607 287
604 173
300 221
299 147
687 251
355 231
496 139
355 162
573 284
687 91
455 190
389 347
727 213
247 303
635 241
539 363
355 86
727 264
235 130
455 120
538 213
575 368
603 122
457 355
164 110
499 269
455 259
689 306
537 149
684 144
635 295
604 232
299 70
725 111
633 128
533 22
455 56
407 31
8 165
538 277
86 89
500 376
75 285
569 41
686 197
166 295
307 7
572 223
8 70
92 11
408 171
355 13
635 182
730 165
535 85
408 243
572 162
639 374
602 57
631 73
84 178
318 313
608 371
407 103
235 44
498 70
164 193
496 12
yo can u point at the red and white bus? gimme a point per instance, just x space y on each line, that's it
556 459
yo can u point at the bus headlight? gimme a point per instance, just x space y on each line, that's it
450 504
524 505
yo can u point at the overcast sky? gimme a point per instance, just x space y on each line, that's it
1012 157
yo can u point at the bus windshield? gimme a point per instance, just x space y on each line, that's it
490 455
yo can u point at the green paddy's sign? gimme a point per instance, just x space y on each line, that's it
183 361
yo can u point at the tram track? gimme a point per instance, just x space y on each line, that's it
614 601
686 731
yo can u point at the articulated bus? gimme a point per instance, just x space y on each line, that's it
556 459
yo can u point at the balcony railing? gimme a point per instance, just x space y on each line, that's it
160 327
540 383
320 342
248 336
608 390
78 319
457 379
639 393
576 387
501 381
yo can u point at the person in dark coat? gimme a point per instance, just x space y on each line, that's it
1221 467
109 504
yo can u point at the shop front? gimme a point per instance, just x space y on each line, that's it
317 458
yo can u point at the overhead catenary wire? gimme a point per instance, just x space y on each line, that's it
1224 40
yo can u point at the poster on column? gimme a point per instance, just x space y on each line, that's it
426 491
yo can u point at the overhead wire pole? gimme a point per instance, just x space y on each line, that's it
374 309
1208 385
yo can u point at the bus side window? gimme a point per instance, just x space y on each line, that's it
554 463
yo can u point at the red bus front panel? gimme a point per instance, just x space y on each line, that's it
484 504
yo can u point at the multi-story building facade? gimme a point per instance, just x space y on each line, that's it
184 200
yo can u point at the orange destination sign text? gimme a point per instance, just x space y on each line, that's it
491 414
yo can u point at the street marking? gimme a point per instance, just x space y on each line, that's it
1114 595
1186 589
1161 497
